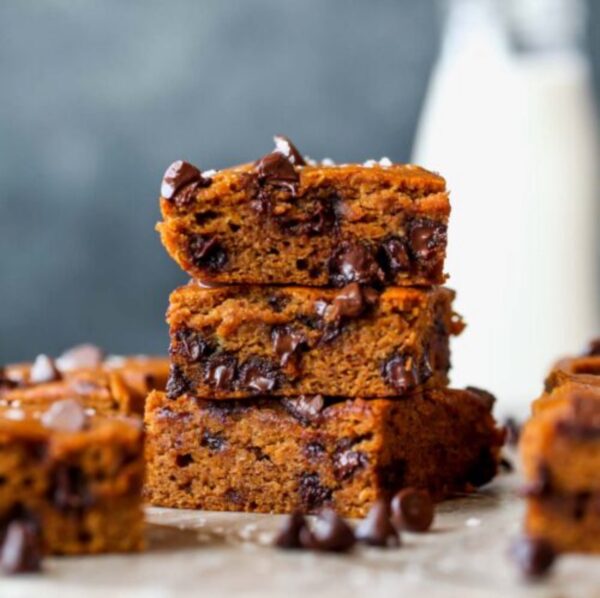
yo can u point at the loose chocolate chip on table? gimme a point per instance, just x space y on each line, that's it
593 348
43 370
329 533
376 529
179 175
177 384
289 534
533 556
21 549
258 375
207 252
277 170
284 146
412 510
80 356
67 415
354 262
401 372
287 342
487 398
220 372
305 408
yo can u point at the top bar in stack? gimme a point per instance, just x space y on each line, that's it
282 220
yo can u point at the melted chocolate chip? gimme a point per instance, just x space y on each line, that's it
312 493
533 556
289 533
221 370
330 533
347 462
192 344
287 343
487 398
213 441
393 257
316 218
207 252
306 408
179 175
43 370
351 302
401 373
177 384
69 489
80 356
593 348
284 146
354 262
377 529
413 510
67 415
277 170
258 375
427 242
21 550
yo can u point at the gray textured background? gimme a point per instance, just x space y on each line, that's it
97 98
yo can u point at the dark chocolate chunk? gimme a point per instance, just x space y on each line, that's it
43 370
177 384
347 462
312 492
192 344
427 242
21 548
513 431
258 375
67 415
314 450
69 489
305 408
289 534
354 262
533 556
284 146
377 529
80 356
179 175
329 533
487 398
483 469
401 373
315 218
393 257
207 252
413 510
221 370
348 303
277 170
214 441
287 343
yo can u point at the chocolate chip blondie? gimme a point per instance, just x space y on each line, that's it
70 481
283 220
300 454
241 341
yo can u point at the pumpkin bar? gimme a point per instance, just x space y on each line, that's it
283 220
73 481
108 385
560 450
279 456
242 341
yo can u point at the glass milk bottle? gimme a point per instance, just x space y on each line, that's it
509 120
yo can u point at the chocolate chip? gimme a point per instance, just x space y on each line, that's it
177 383
258 375
487 398
234 496
533 556
278 302
413 510
221 371
593 348
483 469
513 431
316 218
314 450
354 262
284 146
277 170
287 343
401 373
179 175
305 408
347 462
69 489
43 370
427 241
207 252
289 534
329 533
312 492
80 356
67 415
351 302
213 441
192 344
393 256
21 549
377 529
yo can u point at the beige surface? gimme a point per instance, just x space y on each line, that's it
224 554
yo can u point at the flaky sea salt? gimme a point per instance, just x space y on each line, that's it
327 162
385 162
209 173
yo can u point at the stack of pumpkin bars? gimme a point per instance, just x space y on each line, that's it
310 350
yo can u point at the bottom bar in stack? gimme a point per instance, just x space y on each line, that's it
281 455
